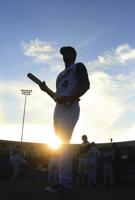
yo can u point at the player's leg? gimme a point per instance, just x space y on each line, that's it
50 171
80 171
111 174
16 171
65 119
65 167
105 171
86 170
95 175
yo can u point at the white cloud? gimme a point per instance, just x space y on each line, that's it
125 53
101 107
119 56
88 40
32 133
10 131
122 134
39 50
36 46
43 58
2 116
57 67
39 105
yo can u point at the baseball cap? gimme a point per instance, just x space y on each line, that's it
68 49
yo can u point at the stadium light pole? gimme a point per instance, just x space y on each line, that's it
24 92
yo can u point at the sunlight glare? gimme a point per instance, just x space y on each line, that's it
54 142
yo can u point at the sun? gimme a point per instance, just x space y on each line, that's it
54 142
37 134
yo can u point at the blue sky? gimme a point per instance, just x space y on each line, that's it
102 31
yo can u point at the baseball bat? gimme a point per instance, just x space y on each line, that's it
34 78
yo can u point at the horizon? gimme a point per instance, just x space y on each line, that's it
131 142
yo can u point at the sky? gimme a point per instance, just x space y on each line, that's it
102 32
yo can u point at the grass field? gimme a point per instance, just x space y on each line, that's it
34 190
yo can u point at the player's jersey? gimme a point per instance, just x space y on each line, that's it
66 81
84 150
94 155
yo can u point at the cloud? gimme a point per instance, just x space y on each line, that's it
39 107
32 133
125 53
2 116
57 67
101 107
41 51
118 56
122 134
88 40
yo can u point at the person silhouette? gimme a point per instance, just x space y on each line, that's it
18 163
71 84
83 164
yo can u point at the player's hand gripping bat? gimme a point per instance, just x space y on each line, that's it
42 85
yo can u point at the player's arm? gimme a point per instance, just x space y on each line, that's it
42 85
83 83
46 89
